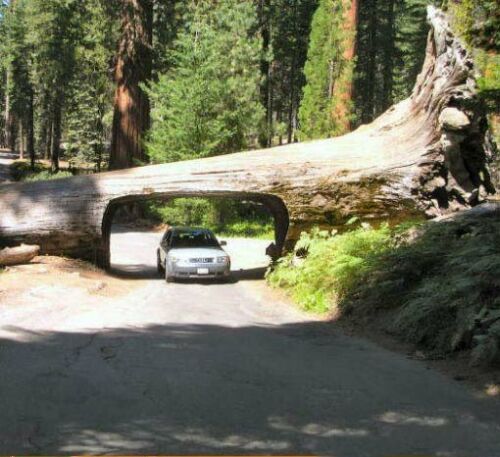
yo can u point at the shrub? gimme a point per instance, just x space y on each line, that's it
438 288
225 217
21 171
47 176
333 266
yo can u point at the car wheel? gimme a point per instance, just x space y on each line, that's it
168 277
159 265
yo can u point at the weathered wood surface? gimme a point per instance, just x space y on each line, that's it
427 155
18 256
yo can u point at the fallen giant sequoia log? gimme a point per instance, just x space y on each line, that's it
428 155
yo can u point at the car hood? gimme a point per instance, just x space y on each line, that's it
193 253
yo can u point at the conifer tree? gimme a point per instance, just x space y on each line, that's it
208 102
88 116
328 72
54 29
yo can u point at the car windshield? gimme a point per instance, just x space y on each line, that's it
194 239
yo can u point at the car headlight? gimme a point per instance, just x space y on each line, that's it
224 259
174 259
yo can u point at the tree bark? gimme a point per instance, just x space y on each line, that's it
56 138
10 136
293 72
266 70
344 92
369 102
426 156
389 56
30 134
133 67
21 140
18 256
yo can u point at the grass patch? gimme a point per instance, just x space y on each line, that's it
21 171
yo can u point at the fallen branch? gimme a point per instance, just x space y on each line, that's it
19 255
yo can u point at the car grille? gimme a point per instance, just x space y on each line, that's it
202 260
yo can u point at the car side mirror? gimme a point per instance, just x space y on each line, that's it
223 243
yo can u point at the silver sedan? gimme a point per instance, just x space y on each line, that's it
192 253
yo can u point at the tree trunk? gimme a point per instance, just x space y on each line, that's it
48 138
342 82
21 140
133 67
10 136
369 102
266 69
30 134
350 49
56 138
293 72
389 57
426 156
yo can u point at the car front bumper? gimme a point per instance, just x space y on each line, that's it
195 271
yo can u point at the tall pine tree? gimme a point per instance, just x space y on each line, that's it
208 102
325 108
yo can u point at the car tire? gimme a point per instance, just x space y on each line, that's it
159 265
169 279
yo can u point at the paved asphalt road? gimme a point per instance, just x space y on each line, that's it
202 368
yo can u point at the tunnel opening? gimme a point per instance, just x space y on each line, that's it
254 226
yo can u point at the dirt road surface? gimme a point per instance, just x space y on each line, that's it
204 368
92 364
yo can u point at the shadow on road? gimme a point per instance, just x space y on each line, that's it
208 389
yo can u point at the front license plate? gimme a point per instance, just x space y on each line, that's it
203 271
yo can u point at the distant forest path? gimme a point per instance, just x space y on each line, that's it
7 157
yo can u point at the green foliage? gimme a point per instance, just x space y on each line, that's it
477 21
440 284
246 229
333 266
48 176
285 26
226 217
90 92
22 171
325 67
208 103
391 43
437 286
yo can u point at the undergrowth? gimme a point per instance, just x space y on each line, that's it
22 171
438 288
333 265
230 218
